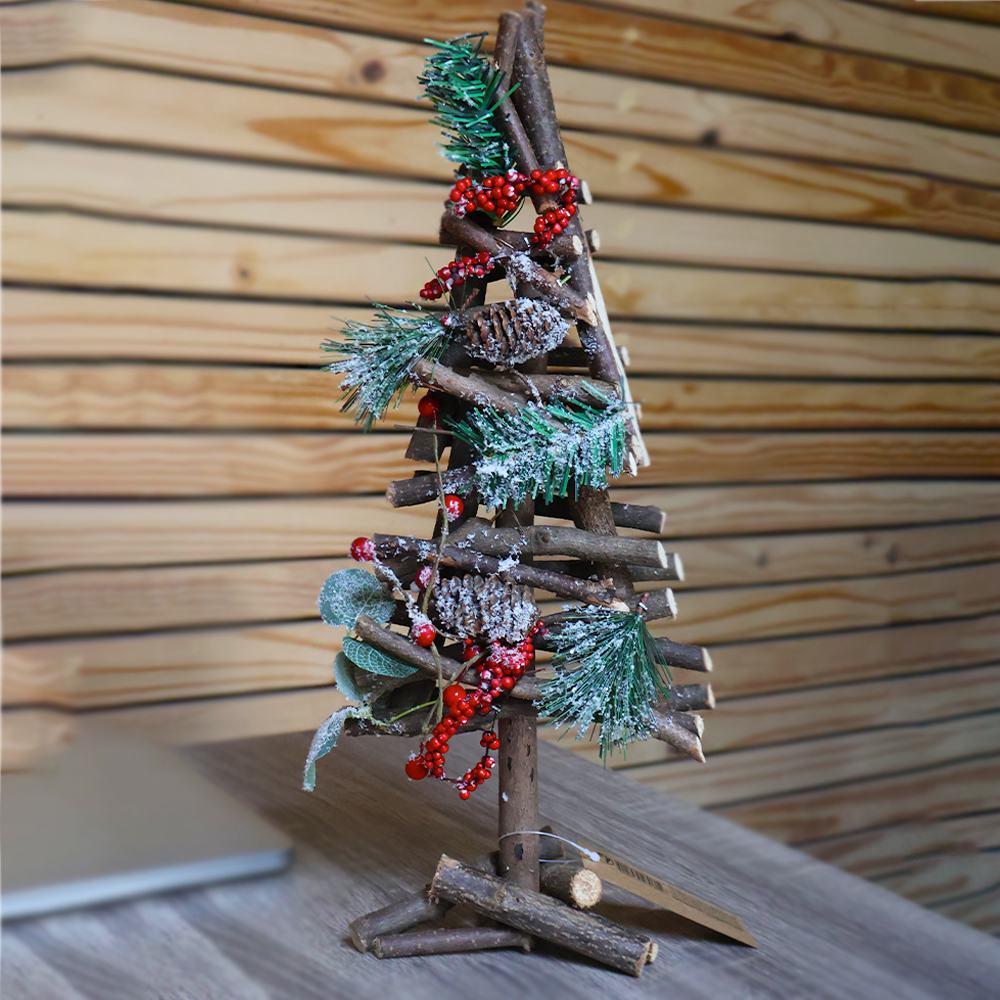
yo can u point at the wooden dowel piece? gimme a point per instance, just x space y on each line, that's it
396 917
564 247
424 488
574 387
689 698
670 730
446 941
640 517
640 574
541 916
654 604
542 540
572 883
683 655
470 386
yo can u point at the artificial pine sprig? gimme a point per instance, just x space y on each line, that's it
616 679
543 448
376 358
465 91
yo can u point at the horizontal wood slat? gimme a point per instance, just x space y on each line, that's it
942 879
78 672
857 27
943 790
61 248
103 104
969 10
164 397
65 534
787 717
227 46
92 464
146 185
878 852
781 770
56 325
647 46
849 657
981 910
127 600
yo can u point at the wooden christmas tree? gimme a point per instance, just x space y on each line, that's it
528 414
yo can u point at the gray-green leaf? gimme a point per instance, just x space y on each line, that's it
351 593
344 675
374 660
322 743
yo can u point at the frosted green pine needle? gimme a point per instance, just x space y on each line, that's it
541 449
376 358
617 675
465 91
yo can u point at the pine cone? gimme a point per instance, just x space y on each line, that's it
507 333
472 606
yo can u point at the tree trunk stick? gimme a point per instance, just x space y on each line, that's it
395 917
517 761
446 941
542 916
689 698
572 883
684 656
624 515
669 730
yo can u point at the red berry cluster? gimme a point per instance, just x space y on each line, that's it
498 195
551 224
499 672
454 274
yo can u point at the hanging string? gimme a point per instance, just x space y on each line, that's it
586 852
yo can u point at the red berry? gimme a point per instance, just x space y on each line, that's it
453 506
416 769
423 634
453 694
363 550
463 793
470 652
429 406
483 257
424 576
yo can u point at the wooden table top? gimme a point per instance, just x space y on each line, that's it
368 836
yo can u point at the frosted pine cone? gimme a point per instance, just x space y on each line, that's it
508 333
472 606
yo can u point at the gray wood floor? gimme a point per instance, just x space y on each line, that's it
367 835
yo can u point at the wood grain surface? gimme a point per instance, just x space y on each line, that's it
111 105
146 185
354 854
59 325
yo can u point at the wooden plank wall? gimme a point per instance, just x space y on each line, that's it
799 208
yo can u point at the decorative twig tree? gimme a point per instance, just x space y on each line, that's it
528 397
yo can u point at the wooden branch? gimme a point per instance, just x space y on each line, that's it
542 916
565 247
543 540
521 267
574 387
644 574
688 698
399 646
471 387
395 917
684 656
423 487
624 515
506 113
569 356
691 722
446 941
570 882
670 730
532 576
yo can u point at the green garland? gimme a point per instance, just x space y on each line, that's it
543 448
376 358
465 91
615 682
